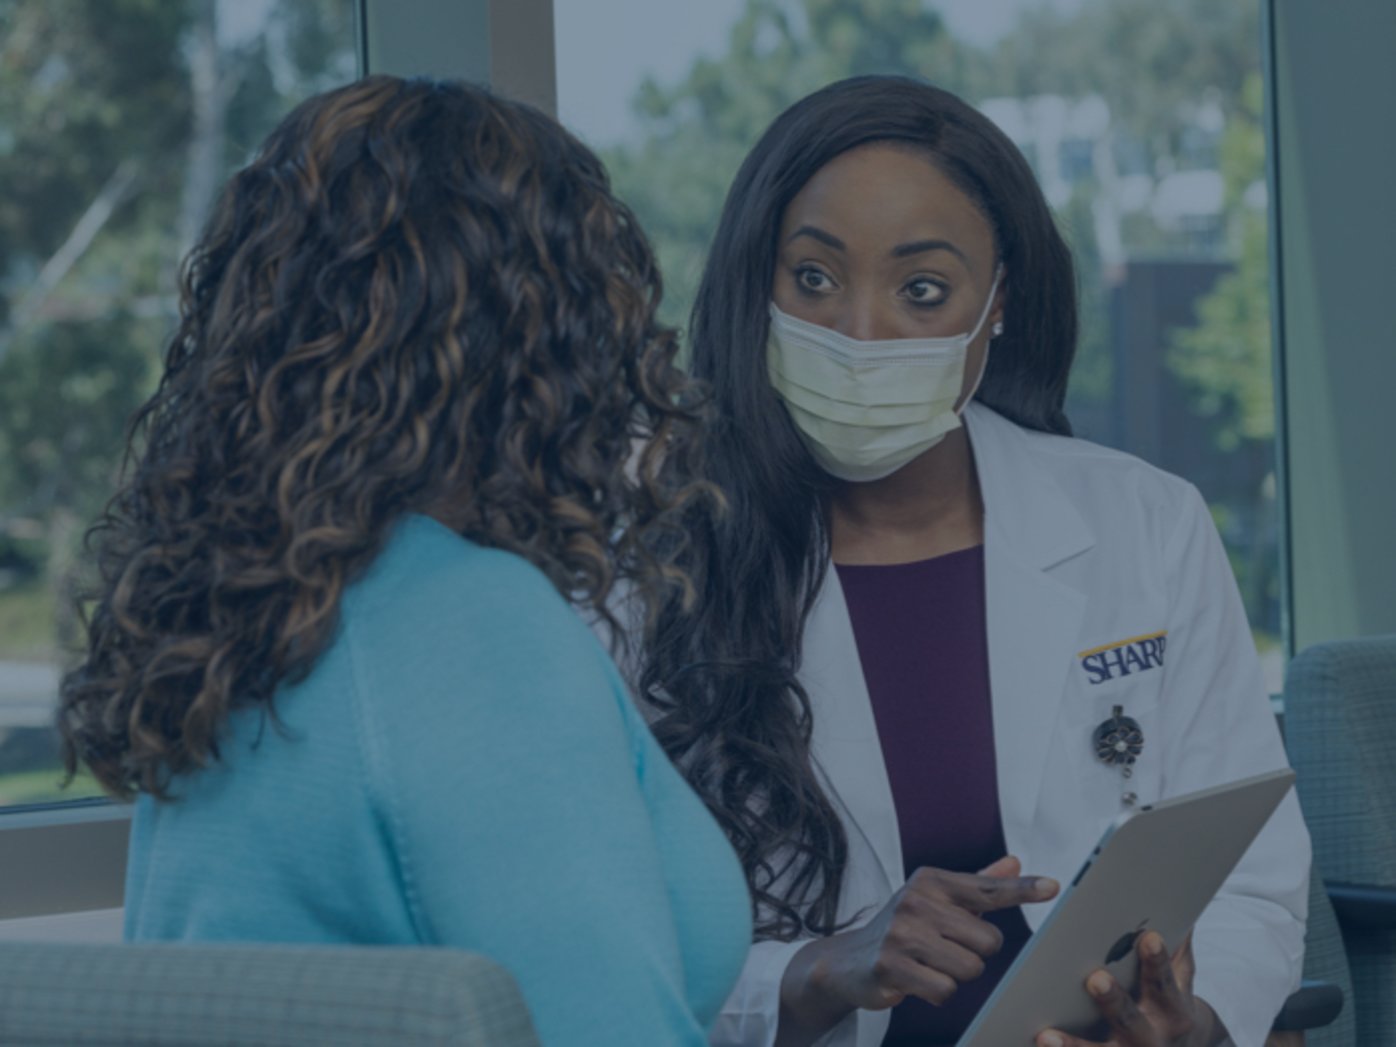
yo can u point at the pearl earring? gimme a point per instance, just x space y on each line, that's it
997 329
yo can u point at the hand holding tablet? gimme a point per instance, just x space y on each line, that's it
1150 878
1165 1014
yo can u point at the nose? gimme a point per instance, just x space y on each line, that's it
859 319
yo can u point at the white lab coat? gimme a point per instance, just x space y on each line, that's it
1084 547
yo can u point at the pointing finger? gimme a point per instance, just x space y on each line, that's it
989 893
1005 866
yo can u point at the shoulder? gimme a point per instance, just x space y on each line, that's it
437 609
427 569
1073 458
1097 479
475 641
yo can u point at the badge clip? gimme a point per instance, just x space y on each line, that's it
1119 741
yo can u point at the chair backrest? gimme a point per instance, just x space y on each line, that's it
268 995
1340 728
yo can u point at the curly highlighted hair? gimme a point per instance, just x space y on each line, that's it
417 297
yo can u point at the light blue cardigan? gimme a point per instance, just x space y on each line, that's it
462 767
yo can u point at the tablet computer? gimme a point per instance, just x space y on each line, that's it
1154 869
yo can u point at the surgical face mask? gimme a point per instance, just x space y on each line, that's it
865 409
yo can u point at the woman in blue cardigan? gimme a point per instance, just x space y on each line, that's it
333 652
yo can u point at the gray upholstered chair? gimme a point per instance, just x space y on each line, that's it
1340 726
1310 1010
267 995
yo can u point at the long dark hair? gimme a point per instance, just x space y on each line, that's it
722 675
417 297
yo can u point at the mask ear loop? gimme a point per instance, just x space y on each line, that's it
983 364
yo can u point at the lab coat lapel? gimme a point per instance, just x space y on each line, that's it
1034 618
845 746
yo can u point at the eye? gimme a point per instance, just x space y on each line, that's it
924 292
813 280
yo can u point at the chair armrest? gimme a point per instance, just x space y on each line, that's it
1312 1006
1364 906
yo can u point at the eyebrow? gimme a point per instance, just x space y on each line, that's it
815 233
900 251
922 246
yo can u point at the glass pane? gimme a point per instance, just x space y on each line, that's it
118 122
1142 121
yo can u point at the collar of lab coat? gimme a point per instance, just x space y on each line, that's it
1030 527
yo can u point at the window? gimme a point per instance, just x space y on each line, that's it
118 123
1143 121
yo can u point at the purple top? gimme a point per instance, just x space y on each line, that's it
922 639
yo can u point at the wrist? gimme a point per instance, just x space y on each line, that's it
812 997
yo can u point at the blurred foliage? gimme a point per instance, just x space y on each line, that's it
1155 63
26 621
1225 360
99 123
118 121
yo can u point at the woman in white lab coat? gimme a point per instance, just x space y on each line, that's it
938 644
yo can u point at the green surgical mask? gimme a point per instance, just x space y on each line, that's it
865 409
